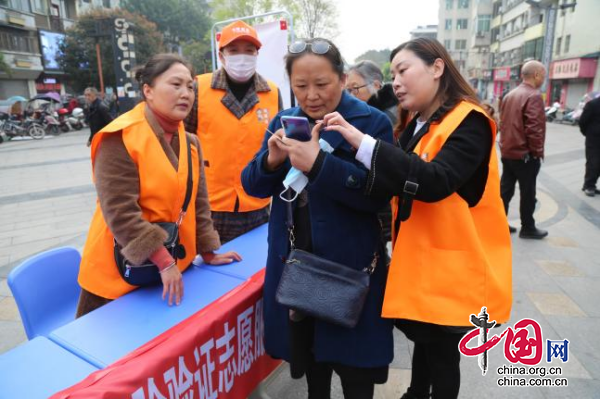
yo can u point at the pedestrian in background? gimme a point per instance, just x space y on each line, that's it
365 82
233 107
136 164
523 133
452 247
589 124
333 219
96 114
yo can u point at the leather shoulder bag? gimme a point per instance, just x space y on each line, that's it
321 288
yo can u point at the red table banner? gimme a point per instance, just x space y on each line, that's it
216 353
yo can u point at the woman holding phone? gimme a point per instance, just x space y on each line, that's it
332 219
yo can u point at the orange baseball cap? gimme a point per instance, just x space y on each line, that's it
238 30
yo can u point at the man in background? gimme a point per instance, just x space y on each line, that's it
523 127
96 115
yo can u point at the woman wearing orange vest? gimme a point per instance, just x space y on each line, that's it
140 170
451 254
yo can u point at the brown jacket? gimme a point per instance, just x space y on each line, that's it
522 123
117 184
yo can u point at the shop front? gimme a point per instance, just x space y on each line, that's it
571 79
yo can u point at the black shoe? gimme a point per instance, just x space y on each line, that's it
532 232
590 192
512 229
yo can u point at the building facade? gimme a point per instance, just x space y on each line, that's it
575 70
30 33
454 24
479 56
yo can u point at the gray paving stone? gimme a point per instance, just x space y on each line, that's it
4 289
555 304
9 310
13 335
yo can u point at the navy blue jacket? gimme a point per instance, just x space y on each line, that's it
344 228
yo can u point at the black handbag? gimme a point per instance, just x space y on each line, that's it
321 288
147 273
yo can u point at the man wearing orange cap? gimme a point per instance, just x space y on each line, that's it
233 107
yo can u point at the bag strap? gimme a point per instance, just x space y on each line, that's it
290 226
411 186
189 184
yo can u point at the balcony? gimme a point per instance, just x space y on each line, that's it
482 39
17 19
56 24
23 66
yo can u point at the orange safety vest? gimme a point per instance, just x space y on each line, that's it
229 143
162 192
450 260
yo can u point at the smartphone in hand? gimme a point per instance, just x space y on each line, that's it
296 127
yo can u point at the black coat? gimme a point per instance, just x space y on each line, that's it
385 100
97 116
589 123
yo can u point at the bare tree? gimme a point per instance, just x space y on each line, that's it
317 18
312 18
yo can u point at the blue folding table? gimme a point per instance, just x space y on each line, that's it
38 369
107 334
253 247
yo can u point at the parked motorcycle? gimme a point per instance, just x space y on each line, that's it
11 128
71 120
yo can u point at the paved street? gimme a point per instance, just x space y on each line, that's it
47 200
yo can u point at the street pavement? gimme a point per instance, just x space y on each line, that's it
47 199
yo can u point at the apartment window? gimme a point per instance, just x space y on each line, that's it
484 23
17 40
532 49
460 45
448 44
106 3
448 24
463 3
462 23
567 43
449 4
39 6
558 45
21 5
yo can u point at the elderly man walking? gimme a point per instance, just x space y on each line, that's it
523 127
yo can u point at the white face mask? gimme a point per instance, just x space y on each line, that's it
296 180
240 67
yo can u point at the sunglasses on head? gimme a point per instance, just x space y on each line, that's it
319 47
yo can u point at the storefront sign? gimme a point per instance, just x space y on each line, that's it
502 74
574 68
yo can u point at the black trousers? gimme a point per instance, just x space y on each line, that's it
592 162
517 170
436 360
318 377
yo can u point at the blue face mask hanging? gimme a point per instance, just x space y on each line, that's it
296 180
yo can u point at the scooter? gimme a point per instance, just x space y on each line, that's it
552 111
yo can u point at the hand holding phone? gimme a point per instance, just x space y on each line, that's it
296 127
